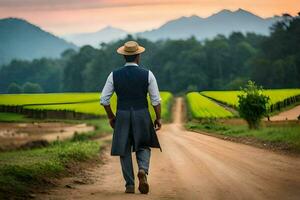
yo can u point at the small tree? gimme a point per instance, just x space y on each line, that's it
14 88
252 104
29 87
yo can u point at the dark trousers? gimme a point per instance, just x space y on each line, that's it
142 157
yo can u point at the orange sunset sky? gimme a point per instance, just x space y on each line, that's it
73 16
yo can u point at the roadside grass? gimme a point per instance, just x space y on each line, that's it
20 171
12 117
287 135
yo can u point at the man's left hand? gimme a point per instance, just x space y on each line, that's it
157 124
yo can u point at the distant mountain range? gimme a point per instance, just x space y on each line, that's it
106 34
22 40
223 22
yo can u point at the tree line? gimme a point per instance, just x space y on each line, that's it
221 63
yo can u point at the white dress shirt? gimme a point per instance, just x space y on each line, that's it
108 88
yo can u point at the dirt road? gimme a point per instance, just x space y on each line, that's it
291 114
195 166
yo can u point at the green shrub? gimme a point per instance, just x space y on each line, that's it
252 104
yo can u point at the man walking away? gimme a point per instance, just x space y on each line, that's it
133 127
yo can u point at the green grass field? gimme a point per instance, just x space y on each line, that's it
231 97
89 108
11 117
202 107
27 99
79 102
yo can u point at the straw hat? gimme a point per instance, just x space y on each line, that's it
130 48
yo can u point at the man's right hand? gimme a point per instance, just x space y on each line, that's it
110 115
112 122
157 124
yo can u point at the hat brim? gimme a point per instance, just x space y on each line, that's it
122 51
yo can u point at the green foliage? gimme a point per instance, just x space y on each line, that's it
45 72
203 108
73 72
278 64
236 83
29 87
14 88
252 104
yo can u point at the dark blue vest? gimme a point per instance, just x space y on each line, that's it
131 87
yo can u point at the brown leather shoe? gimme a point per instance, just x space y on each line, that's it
143 184
129 189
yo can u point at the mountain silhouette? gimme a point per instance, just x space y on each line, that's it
23 40
106 34
223 22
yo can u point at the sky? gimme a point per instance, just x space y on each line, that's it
77 16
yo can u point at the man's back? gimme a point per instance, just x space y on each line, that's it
131 87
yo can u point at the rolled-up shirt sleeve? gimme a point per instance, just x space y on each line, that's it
153 90
107 91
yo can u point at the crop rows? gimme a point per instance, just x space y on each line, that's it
49 98
202 107
231 97
87 103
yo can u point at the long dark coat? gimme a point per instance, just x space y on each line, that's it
139 124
